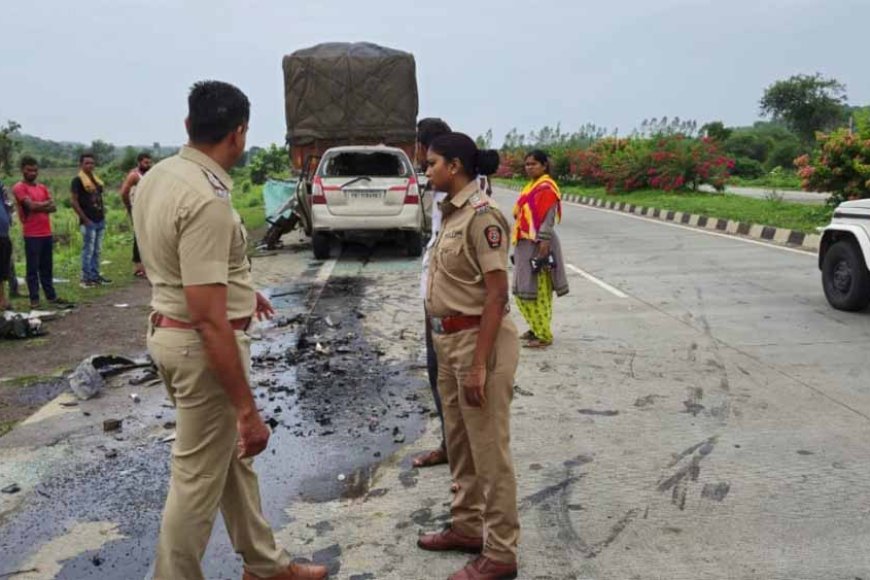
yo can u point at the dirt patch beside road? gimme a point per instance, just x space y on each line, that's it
92 328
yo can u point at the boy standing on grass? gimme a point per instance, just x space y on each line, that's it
86 195
34 208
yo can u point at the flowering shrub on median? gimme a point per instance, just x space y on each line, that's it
668 163
678 162
511 164
841 165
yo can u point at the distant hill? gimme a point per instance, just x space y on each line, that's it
66 153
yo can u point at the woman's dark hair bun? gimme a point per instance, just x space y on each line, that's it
462 147
487 161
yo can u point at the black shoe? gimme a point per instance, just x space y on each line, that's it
103 281
62 304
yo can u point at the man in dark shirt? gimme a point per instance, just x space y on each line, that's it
87 200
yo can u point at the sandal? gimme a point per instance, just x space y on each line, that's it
434 457
528 335
537 343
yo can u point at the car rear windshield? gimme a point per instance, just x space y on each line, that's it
370 163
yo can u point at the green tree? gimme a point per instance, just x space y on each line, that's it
265 162
7 146
513 140
484 141
861 121
717 131
128 159
806 104
104 152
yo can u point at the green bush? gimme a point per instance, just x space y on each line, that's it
748 145
747 168
625 163
783 154
560 163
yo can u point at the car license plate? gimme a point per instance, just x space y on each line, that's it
367 194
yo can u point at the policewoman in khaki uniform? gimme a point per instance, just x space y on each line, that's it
193 245
478 351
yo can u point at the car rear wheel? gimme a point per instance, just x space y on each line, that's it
320 243
414 244
845 277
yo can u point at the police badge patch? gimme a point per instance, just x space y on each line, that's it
493 236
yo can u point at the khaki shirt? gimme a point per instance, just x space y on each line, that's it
473 241
190 235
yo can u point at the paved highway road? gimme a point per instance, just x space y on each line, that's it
731 408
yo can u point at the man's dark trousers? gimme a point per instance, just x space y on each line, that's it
432 371
40 267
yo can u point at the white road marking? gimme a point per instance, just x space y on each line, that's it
694 229
319 283
615 291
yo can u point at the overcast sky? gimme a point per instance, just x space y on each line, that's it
119 70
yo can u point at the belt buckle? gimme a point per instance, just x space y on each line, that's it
437 325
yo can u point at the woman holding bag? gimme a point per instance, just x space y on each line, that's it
539 268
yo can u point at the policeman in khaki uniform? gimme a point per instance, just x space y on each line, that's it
193 246
478 351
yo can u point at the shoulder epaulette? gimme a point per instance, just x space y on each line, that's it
219 188
479 203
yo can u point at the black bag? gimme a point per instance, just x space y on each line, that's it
17 327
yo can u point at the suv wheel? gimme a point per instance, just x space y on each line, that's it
414 244
845 277
320 243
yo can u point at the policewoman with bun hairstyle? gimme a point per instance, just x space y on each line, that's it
478 350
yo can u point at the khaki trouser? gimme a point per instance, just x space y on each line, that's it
206 471
478 441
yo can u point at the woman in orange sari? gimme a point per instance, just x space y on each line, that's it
539 268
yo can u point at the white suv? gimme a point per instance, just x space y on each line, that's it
361 190
844 255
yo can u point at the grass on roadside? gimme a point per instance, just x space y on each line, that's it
248 201
782 214
6 426
787 181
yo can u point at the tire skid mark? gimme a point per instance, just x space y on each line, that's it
553 507
689 469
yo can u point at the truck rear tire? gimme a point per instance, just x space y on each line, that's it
320 243
845 277
414 244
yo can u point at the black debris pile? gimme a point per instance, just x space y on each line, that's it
333 377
